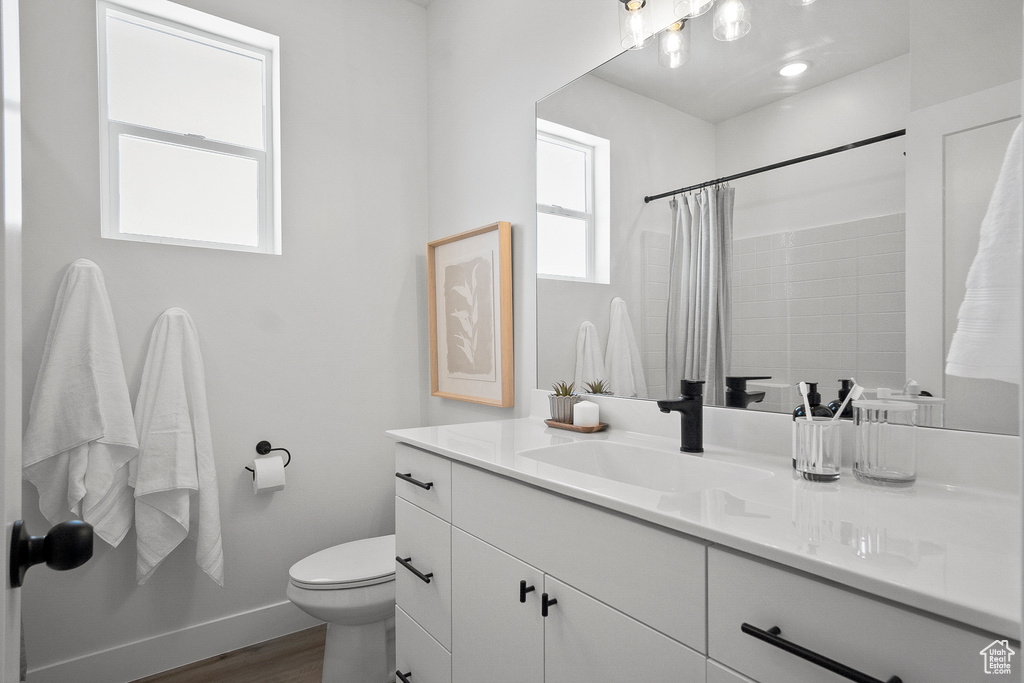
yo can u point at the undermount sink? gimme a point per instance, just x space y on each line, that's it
647 468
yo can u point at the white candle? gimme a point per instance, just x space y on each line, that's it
585 414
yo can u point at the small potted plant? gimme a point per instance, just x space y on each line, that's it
598 386
562 400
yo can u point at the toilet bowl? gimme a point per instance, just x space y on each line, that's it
352 587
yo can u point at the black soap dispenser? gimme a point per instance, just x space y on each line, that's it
846 385
814 400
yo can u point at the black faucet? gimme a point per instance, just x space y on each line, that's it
690 406
736 394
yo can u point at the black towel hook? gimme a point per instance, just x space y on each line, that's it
264 447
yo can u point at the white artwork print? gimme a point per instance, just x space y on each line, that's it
467 293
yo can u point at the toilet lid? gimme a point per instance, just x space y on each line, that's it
357 563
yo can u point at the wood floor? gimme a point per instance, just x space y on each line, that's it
295 658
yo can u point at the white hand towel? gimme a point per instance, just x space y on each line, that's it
622 361
987 340
175 465
589 358
81 434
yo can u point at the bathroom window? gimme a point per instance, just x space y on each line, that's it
572 204
189 137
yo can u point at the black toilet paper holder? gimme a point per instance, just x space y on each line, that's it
264 447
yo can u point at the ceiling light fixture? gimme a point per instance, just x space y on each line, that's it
674 46
687 9
732 20
635 25
793 69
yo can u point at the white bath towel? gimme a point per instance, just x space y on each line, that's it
80 434
987 341
175 467
589 357
622 361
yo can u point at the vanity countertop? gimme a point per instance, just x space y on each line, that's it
951 551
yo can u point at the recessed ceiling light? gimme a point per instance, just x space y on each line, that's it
793 69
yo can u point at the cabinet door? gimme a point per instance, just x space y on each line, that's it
495 637
586 641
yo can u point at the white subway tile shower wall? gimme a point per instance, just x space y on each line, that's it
820 304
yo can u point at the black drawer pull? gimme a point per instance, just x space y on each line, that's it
523 590
408 477
404 561
404 677
772 637
545 602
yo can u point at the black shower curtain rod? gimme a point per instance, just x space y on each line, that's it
772 167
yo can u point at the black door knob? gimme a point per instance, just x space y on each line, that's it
65 546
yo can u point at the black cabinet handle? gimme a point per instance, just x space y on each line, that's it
408 477
404 677
545 602
523 590
772 637
404 561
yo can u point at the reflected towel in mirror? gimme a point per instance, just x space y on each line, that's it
987 340
622 361
589 357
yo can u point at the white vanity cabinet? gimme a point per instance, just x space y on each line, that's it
627 600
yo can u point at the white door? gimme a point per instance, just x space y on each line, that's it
10 329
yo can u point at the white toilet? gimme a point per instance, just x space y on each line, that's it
352 587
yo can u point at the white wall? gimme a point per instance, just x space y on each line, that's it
853 185
317 350
652 145
489 64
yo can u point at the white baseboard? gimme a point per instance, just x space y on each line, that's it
153 655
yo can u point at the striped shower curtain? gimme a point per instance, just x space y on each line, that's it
699 339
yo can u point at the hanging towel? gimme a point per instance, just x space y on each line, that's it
175 466
622 362
81 434
589 358
987 340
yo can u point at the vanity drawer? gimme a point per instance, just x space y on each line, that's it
418 656
426 542
427 469
874 637
654 576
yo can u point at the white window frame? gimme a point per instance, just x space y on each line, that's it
211 30
597 151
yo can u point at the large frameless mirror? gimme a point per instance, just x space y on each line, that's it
851 264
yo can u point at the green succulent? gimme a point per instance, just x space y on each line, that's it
598 386
563 389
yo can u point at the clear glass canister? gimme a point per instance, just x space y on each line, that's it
885 453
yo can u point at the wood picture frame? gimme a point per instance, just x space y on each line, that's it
469 288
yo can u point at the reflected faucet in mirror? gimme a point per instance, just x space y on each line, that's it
690 406
736 394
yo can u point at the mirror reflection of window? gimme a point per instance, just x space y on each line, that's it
572 189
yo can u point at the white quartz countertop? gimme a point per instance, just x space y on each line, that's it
951 551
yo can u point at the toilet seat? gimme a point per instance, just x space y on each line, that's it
365 562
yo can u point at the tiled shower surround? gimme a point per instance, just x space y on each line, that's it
814 305
821 304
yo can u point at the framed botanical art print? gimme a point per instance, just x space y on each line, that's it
469 284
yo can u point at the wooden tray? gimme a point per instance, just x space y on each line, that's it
574 428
